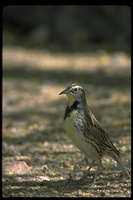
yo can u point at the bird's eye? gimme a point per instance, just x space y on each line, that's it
76 89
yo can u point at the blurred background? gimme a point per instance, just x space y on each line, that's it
68 28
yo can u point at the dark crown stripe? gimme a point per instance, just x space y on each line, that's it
71 85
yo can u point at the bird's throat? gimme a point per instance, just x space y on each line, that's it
71 108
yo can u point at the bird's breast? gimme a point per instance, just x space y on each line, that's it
72 130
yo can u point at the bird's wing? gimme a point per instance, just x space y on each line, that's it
97 132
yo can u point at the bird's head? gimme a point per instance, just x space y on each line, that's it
74 93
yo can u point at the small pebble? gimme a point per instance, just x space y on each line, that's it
79 192
102 194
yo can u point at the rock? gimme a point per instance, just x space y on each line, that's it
16 167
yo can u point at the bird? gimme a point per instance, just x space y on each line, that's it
85 131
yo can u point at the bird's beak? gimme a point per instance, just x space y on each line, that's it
64 92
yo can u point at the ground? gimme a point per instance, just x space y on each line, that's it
33 122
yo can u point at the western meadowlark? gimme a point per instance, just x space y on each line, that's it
85 132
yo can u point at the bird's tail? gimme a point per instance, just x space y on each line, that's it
119 161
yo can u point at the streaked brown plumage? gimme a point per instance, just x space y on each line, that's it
85 131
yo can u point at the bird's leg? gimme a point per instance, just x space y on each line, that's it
95 177
88 171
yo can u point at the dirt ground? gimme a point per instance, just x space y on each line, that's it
33 122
